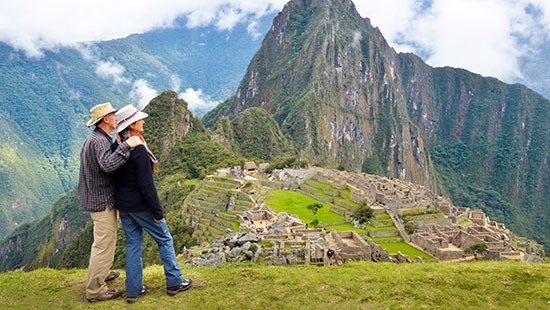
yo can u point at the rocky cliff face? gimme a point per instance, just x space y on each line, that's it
41 243
333 85
345 98
168 123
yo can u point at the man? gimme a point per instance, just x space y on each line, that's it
96 193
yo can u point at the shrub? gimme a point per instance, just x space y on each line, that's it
363 213
410 228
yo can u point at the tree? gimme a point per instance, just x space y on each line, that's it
314 208
363 213
409 228
476 249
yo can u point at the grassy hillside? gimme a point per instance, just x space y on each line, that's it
482 285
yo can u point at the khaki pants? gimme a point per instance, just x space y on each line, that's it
103 251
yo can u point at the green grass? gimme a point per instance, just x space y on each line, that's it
432 219
321 193
380 228
346 227
406 249
296 203
385 239
465 222
382 220
221 182
381 216
192 182
236 225
480 285
414 208
345 191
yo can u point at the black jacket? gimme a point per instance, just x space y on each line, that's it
134 186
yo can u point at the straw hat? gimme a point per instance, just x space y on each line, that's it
98 112
127 116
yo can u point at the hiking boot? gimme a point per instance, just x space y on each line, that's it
132 300
110 294
184 286
113 274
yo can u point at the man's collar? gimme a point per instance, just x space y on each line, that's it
101 131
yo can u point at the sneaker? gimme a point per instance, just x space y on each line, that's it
113 274
110 294
132 300
184 286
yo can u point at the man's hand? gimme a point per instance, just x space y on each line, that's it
134 141
158 221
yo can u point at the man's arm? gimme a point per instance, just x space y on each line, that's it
109 161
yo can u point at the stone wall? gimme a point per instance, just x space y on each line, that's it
383 233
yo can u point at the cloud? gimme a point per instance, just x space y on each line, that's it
252 29
356 39
34 25
175 83
142 93
111 70
197 101
484 36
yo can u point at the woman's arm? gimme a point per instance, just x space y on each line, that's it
144 175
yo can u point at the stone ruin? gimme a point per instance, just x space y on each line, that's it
441 229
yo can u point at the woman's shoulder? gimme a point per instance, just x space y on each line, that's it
139 151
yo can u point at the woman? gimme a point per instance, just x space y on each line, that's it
139 207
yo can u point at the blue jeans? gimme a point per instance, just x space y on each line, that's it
134 223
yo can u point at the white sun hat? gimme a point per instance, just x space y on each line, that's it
127 116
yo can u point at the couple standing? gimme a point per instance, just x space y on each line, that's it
118 179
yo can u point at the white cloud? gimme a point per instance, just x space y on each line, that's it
483 36
356 39
35 25
198 101
142 93
114 70
175 83
253 29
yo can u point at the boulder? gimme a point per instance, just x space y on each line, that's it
277 260
402 258
277 229
282 217
249 237
246 246
292 259
236 251
532 258
213 260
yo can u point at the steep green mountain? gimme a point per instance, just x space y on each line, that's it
254 133
344 97
45 102
488 140
185 150
330 80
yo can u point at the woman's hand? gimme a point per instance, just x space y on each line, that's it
158 221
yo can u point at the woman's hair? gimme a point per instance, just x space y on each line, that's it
124 134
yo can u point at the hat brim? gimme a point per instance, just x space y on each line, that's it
139 115
92 121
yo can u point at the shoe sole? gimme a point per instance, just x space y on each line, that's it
172 293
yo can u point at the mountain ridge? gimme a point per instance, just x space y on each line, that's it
344 97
